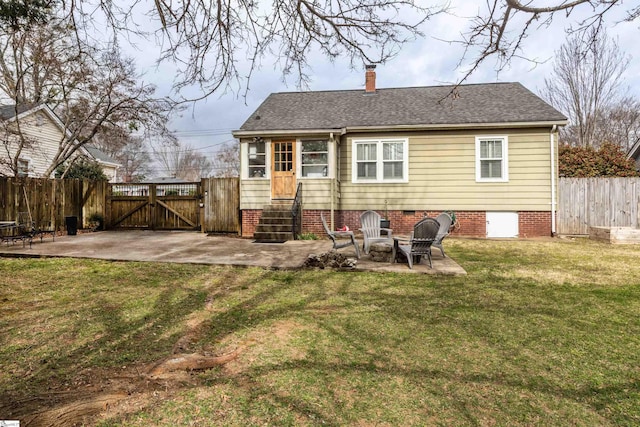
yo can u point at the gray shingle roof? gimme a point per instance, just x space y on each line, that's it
8 111
99 154
412 106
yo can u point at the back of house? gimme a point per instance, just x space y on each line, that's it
487 152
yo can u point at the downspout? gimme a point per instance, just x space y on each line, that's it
553 180
333 178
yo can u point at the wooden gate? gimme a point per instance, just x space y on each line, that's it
221 205
154 206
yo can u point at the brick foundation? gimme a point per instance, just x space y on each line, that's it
534 224
250 218
469 223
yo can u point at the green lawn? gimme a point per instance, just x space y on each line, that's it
537 333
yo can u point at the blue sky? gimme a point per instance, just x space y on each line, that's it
424 62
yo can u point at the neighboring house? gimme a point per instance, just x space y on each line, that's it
41 125
634 153
488 152
108 164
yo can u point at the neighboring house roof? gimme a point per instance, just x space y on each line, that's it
9 111
166 180
412 107
100 156
634 152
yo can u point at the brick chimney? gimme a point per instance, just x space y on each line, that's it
370 79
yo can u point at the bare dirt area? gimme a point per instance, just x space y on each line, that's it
96 394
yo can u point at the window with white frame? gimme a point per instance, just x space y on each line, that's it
23 168
315 158
381 160
257 159
492 159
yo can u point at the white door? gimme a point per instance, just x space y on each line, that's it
502 224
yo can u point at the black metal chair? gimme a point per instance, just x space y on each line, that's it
336 237
423 235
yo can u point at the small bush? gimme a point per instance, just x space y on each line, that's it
308 236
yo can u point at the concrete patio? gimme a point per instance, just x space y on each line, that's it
198 248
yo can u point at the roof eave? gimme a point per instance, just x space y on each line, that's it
634 151
352 129
283 132
456 126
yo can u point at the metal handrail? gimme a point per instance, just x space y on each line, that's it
296 213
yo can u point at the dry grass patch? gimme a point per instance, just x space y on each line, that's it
537 333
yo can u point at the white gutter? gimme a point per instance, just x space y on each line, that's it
553 180
392 128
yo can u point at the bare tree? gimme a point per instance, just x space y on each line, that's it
585 85
226 163
134 159
620 123
92 89
500 30
182 161
207 39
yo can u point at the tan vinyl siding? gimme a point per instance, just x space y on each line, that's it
316 193
255 193
442 174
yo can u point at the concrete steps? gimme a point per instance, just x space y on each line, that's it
274 225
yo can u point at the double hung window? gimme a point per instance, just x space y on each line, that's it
380 160
492 159
257 159
315 158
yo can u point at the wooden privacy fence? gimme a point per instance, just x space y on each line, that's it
221 199
586 202
51 200
212 205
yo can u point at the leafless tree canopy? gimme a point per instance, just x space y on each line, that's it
208 39
501 28
587 86
93 89
226 162
182 161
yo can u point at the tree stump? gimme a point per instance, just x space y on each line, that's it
380 252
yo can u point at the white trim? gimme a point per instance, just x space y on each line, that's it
379 142
505 158
440 126
553 180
